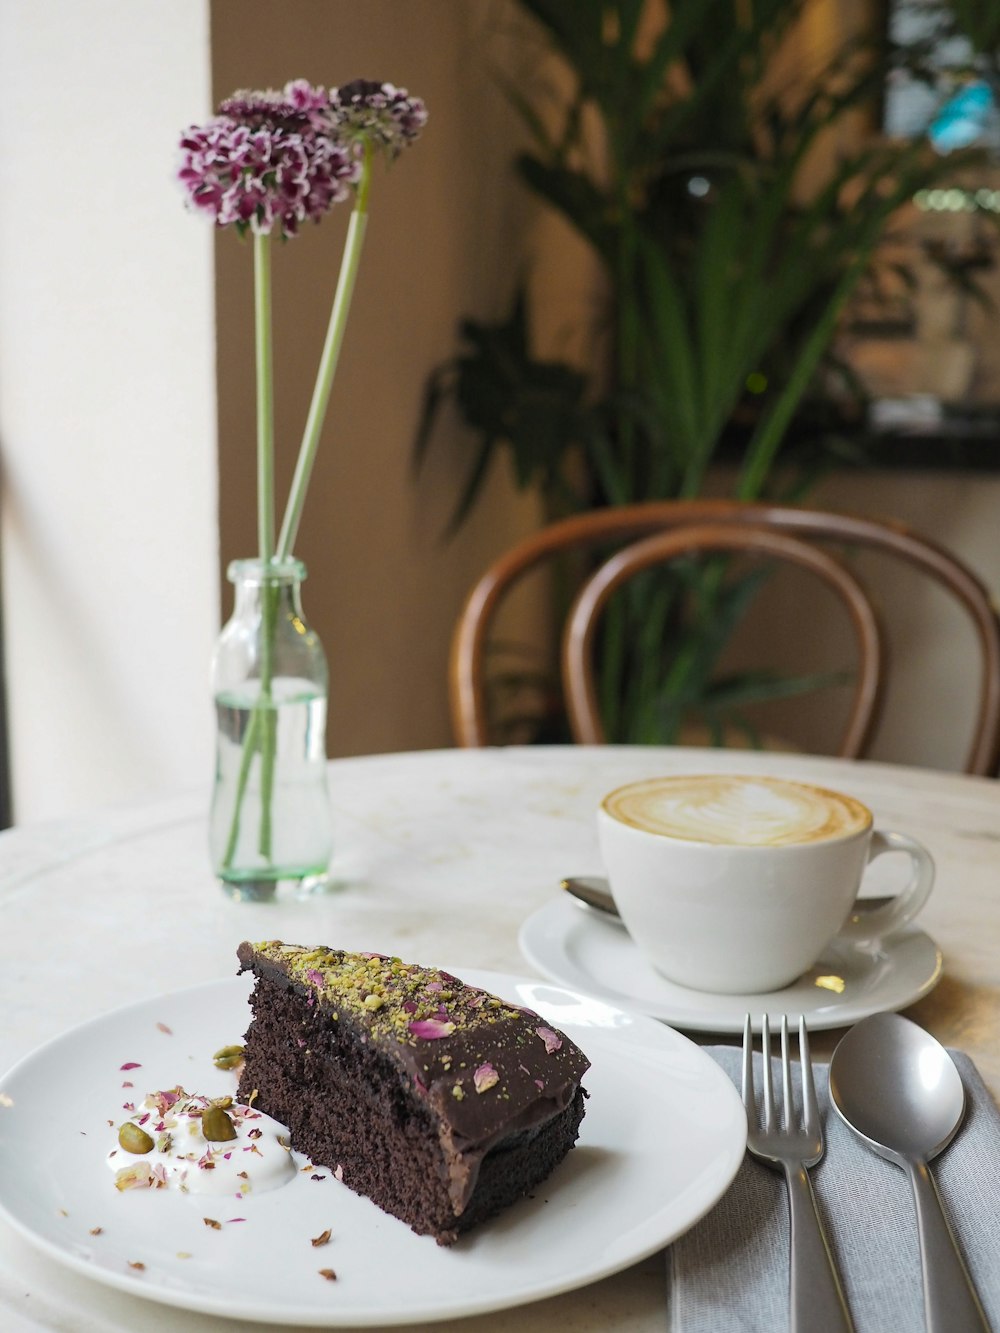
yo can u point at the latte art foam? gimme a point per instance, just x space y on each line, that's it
737 811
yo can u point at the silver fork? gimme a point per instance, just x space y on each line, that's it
815 1296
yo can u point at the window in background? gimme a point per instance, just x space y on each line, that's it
944 90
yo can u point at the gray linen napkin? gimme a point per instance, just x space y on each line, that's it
730 1273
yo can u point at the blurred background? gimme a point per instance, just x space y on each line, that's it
126 368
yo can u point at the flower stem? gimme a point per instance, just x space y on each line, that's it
260 734
268 736
265 526
246 759
328 361
265 395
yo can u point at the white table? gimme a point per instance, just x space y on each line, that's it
441 855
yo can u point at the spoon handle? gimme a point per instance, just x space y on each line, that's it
950 1301
816 1298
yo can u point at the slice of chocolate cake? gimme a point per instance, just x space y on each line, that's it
441 1103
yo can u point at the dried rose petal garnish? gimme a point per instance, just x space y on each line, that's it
552 1042
485 1077
431 1029
136 1177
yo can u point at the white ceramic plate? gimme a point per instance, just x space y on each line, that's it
574 946
663 1136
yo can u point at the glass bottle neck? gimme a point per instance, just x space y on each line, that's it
269 572
251 579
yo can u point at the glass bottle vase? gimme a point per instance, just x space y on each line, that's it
270 825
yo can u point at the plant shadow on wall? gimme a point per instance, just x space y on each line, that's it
730 237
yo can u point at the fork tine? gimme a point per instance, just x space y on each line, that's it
747 1081
786 1076
765 1034
810 1110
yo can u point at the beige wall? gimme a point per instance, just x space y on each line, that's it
442 242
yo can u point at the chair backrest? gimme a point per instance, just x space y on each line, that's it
664 547
627 523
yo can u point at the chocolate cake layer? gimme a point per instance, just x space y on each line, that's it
441 1103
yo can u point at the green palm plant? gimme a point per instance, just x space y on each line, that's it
727 280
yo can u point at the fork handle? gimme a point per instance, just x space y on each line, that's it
815 1296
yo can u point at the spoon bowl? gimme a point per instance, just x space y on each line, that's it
899 1090
594 892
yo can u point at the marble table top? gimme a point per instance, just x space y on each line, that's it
440 856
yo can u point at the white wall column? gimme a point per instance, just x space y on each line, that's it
107 403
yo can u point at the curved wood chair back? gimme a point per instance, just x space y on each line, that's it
664 547
627 523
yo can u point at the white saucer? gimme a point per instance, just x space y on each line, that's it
574 946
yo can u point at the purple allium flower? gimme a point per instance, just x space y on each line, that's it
298 107
379 113
268 159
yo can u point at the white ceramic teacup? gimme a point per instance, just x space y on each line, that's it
733 883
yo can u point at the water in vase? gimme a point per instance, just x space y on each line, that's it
270 818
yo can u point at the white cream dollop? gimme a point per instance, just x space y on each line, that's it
258 1158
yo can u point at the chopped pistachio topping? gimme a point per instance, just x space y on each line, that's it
398 999
462 1039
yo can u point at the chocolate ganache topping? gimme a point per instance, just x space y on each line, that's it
485 1067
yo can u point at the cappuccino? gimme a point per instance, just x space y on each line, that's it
737 810
735 884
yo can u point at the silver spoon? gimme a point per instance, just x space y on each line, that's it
900 1092
593 891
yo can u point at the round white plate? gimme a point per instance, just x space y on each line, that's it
662 1138
576 947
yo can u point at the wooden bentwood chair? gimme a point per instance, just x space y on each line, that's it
657 532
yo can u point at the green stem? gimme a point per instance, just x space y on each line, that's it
328 361
268 740
246 759
263 344
259 735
